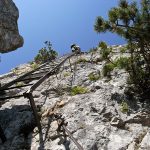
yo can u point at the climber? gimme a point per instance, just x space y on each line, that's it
75 48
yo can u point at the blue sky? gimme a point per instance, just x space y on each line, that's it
62 22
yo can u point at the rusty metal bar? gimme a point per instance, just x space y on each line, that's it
52 72
29 95
42 72
72 138
21 77
33 106
70 65
31 78
15 87
44 69
9 97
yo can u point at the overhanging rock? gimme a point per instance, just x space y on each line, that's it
9 34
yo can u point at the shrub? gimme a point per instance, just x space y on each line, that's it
107 69
34 65
102 45
82 60
92 50
122 63
130 20
78 90
123 49
94 76
15 71
46 54
105 51
99 59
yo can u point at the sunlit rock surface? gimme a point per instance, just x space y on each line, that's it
96 119
9 34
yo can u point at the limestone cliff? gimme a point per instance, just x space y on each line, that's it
9 33
99 115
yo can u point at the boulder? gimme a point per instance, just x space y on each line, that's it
9 34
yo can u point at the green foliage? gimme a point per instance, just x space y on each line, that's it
66 74
105 50
46 54
34 65
105 53
124 107
102 45
94 76
107 69
92 50
78 90
122 63
82 60
101 25
130 21
15 71
123 49
19 84
99 59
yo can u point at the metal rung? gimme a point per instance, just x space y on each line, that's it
40 72
22 76
45 69
15 87
32 78
9 97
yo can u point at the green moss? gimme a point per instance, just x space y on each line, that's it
94 76
124 107
78 90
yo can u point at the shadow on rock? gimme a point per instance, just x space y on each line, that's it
17 123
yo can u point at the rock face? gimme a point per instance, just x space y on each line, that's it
9 34
95 118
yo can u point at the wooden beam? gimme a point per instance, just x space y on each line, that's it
33 106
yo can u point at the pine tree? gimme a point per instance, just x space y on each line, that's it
132 22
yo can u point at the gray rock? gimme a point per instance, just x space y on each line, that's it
9 33
140 118
117 122
94 118
145 144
